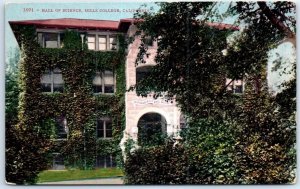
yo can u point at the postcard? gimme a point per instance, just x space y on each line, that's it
125 93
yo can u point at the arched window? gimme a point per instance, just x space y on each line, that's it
52 81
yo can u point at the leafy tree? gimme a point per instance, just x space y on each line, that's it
192 65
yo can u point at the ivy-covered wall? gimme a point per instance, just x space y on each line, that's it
78 103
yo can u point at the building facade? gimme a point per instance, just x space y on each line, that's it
88 112
74 79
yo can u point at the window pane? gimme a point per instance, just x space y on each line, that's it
97 88
62 37
148 41
109 89
46 87
108 161
58 162
113 43
238 89
113 40
97 79
91 46
58 79
46 78
51 40
108 129
100 161
40 39
58 87
91 39
230 87
102 47
51 44
102 39
114 161
108 77
100 128
61 127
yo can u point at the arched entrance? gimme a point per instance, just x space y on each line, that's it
152 129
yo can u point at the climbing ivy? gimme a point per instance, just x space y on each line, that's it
77 103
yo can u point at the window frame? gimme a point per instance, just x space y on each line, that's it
112 161
102 76
43 45
233 86
52 72
104 120
107 35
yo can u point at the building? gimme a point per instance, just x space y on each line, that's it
75 74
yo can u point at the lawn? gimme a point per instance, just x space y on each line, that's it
54 175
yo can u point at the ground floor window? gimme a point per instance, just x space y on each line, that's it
58 162
106 161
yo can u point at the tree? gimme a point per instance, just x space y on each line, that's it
191 66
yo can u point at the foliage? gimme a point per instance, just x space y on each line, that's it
211 152
156 165
77 103
53 176
205 157
232 139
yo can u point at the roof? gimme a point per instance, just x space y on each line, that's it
121 25
70 23
222 26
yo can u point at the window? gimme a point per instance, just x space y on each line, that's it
106 161
62 129
104 42
91 39
148 40
142 72
112 43
236 86
50 40
58 162
104 82
104 128
182 121
52 81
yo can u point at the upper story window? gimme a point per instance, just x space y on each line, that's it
142 72
91 40
236 86
52 81
102 42
50 40
148 41
104 128
103 82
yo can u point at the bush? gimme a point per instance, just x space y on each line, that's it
205 157
157 165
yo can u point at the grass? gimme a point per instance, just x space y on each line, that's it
54 175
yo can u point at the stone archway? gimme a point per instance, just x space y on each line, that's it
152 129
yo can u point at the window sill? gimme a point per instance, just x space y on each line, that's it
106 138
59 139
98 94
